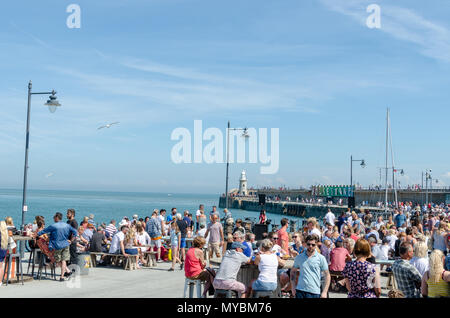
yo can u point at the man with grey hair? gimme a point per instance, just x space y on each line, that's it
406 275
229 268
216 239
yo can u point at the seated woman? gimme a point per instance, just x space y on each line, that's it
129 242
267 263
195 264
142 238
435 281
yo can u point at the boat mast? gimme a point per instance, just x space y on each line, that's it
387 149
393 167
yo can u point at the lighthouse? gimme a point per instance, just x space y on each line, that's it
243 184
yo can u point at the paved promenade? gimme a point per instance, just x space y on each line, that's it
114 282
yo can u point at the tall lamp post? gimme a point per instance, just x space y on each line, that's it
52 103
427 177
245 135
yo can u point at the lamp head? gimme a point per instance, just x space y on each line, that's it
52 102
363 163
245 134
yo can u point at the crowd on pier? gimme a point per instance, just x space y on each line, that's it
344 253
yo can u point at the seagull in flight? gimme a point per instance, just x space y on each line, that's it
108 125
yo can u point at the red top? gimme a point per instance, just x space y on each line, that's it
192 265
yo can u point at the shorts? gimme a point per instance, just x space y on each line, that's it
156 243
264 286
62 254
214 248
3 255
229 285
131 251
183 242
304 294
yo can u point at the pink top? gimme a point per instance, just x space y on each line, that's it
337 258
192 265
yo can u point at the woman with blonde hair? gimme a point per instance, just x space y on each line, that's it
420 258
9 222
129 242
267 263
3 247
435 282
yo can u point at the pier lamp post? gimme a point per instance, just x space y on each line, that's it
245 135
52 104
427 177
363 165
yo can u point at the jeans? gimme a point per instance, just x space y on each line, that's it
304 294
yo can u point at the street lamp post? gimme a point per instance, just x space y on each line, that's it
427 177
52 104
244 134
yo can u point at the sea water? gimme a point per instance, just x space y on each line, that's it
106 206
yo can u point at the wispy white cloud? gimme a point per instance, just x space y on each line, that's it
431 38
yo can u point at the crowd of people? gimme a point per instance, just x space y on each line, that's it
339 253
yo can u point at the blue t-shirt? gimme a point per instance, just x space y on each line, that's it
399 220
248 249
169 218
299 250
59 234
310 269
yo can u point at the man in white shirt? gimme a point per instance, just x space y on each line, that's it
330 217
117 241
378 223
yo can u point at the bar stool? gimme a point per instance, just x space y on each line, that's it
262 294
8 265
42 265
225 293
32 260
191 284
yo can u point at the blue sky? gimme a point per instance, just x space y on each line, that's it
313 69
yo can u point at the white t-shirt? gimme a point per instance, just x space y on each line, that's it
381 252
115 243
198 213
268 266
421 264
330 217
391 239
315 231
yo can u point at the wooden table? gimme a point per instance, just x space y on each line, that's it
249 272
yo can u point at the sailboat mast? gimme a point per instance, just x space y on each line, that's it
394 189
386 168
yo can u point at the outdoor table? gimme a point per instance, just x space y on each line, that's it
391 277
249 272
16 239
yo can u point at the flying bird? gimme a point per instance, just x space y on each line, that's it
108 125
49 175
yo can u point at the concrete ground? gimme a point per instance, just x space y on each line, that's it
154 282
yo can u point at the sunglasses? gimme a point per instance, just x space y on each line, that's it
309 244
294 236
274 238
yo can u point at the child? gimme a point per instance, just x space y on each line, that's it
175 240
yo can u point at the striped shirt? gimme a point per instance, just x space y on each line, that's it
111 230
